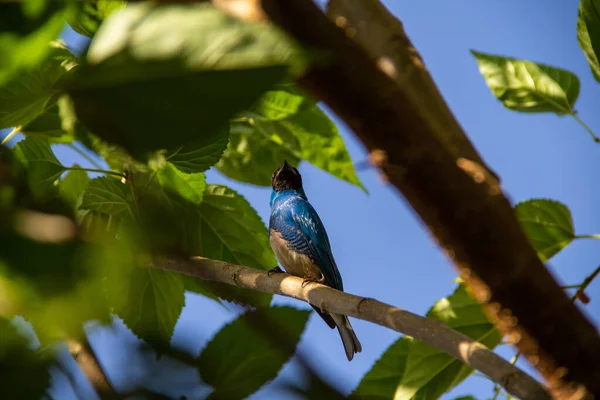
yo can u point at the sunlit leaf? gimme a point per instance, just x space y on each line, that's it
141 91
188 186
29 94
525 86
548 224
284 125
410 369
381 380
241 358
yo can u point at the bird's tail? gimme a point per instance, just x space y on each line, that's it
349 339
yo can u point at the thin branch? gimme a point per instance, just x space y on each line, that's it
429 331
84 355
12 134
84 155
587 128
100 171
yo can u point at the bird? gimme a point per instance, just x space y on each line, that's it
301 245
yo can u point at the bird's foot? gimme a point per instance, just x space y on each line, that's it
309 280
275 270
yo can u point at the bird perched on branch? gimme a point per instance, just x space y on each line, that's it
301 245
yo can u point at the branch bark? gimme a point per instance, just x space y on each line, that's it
84 356
451 190
429 331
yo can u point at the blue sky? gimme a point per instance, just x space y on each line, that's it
381 248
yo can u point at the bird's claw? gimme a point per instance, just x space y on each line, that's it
309 280
275 270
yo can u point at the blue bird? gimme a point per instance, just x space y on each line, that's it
301 245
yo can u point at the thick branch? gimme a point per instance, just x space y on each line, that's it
84 356
429 331
456 196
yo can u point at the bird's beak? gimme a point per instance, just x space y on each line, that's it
286 165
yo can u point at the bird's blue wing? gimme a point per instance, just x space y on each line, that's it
308 222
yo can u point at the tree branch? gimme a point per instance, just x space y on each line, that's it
429 331
84 356
454 194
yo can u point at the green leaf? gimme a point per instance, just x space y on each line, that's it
73 185
43 166
588 33
26 33
149 301
241 358
410 369
529 87
106 195
24 373
142 92
88 17
58 124
225 227
548 224
28 95
189 186
381 380
199 156
284 125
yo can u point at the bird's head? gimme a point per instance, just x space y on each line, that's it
286 177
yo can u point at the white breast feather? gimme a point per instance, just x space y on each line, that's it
293 262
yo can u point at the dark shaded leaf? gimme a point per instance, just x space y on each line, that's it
137 86
241 358
588 33
198 156
225 227
24 373
88 16
26 28
149 301
107 195
43 166
73 185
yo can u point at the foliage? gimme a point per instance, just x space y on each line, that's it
410 369
164 93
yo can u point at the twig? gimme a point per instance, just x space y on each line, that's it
429 331
85 357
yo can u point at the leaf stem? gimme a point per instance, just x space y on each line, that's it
592 236
101 171
586 282
587 128
12 134
82 154
571 286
